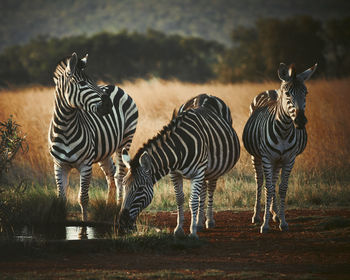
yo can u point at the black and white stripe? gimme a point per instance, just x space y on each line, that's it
90 123
274 135
198 144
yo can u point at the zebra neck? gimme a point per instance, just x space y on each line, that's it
162 160
160 166
283 123
64 115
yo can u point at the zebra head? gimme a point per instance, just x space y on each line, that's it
293 92
77 90
138 189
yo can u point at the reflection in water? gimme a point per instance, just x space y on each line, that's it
61 233
79 233
27 233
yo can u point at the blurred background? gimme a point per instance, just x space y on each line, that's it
188 40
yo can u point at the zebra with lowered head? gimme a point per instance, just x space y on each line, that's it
90 123
198 144
274 135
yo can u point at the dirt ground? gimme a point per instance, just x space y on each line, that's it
317 246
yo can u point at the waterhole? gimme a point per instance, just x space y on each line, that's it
27 233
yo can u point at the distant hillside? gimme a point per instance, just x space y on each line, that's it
21 20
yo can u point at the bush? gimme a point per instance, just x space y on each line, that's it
12 140
36 206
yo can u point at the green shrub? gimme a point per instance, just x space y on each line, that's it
12 140
34 206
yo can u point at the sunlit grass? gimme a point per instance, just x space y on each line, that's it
327 112
320 176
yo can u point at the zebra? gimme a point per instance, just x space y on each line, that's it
274 135
198 144
89 124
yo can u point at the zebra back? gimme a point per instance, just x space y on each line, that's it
266 98
212 103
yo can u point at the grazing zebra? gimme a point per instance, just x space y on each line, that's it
274 135
198 144
89 124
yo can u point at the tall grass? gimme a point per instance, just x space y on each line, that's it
320 175
34 206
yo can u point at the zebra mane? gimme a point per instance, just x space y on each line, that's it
62 65
159 137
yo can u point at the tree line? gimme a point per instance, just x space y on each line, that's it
254 56
302 40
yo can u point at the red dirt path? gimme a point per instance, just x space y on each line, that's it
234 247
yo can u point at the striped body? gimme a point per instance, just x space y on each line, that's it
80 137
198 144
270 132
83 132
274 135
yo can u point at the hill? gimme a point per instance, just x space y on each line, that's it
214 20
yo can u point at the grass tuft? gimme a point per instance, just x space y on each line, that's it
100 211
34 206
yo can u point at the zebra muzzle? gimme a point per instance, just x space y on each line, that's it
105 107
125 224
300 120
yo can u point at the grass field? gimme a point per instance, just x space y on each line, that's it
320 177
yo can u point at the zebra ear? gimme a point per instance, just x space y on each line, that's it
174 114
283 72
72 63
307 73
84 61
126 158
145 161
292 71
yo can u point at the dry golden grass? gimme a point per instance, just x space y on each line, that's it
327 111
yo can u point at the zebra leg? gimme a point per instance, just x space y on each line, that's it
210 223
196 185
85 177
274 208
286 170
120 174
108 169
200 214
180 199
61 177
259 178
269 193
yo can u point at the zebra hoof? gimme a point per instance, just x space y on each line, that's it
210 224
276 219
200 228
193 235
256 219
179 232
264 229
284 227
